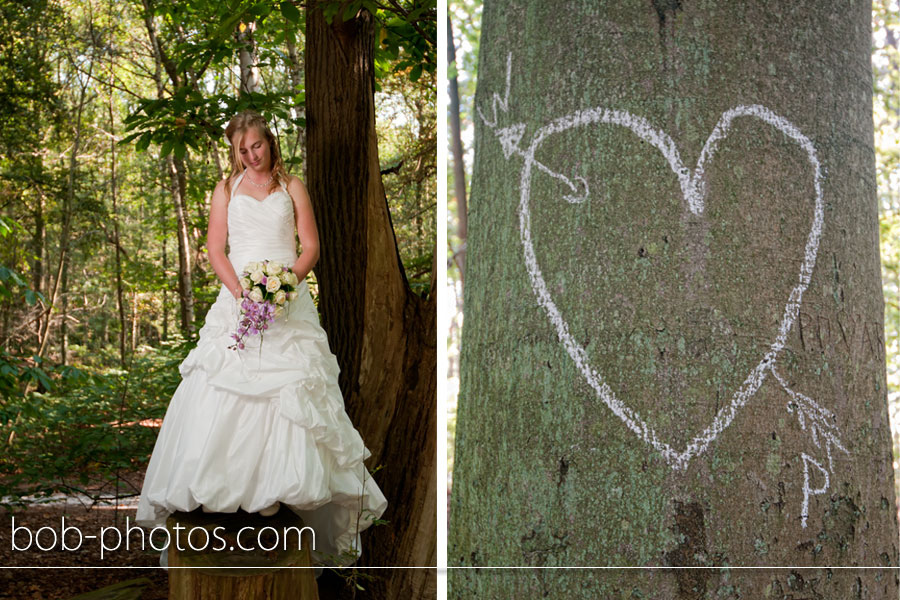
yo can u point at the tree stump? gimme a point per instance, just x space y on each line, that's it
239 555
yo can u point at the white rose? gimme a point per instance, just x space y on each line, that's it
256 295
253 266
280 297
273 284
291 278
293 295
246 283
256 276
274 268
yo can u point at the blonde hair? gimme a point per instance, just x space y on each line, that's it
237 127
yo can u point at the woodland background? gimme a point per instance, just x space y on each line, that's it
113 120
464 17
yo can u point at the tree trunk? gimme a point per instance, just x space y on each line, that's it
672 353
38 246
87 339
382 333
220 172
459 167
113 193
272 564
165 292
249 60
64 307
175 168
134 321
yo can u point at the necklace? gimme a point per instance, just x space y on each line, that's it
261 185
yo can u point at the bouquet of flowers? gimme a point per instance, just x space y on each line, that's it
267 287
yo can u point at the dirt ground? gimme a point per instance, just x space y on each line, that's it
58 574
48 583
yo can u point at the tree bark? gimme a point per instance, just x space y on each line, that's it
276 568
165 292
672 353
249 60
177 186
220 172
113 193
64 305
381 332
459 167
134 321
39 247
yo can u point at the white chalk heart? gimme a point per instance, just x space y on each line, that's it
693 187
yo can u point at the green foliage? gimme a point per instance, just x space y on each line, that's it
206 41
86 426
29 91
12 285
407 36
290 12
190 119
407 141
16 372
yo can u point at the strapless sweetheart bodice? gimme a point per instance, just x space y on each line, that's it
260 229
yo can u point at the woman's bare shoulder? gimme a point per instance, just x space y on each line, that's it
295 184
220 193
293 180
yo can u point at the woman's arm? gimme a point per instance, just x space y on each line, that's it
216 237
306 229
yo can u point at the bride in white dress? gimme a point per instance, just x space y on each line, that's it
255 428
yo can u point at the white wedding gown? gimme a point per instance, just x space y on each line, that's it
249 428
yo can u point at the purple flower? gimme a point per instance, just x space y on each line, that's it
255 317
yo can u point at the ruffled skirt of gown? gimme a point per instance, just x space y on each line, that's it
249 428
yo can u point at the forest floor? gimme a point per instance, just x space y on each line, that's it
60 574
57 574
